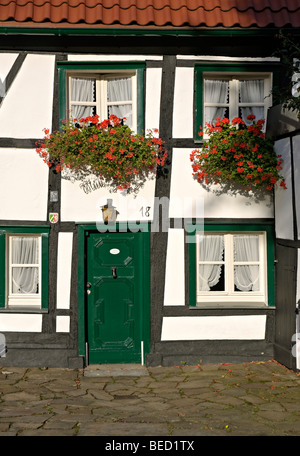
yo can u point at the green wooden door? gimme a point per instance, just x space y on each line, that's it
115 309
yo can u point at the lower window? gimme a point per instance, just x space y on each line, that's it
231 267
24 268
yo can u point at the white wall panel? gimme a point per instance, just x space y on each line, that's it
296 156
63 323
184 188
153 92
250 327
221 58
23 185
20 322
174 281
79 206
112 58
283 198
6 62
64 267
183 103
27 108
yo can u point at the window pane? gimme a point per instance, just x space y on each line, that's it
25 250
121 111
216 92
25 280
212 113
119 89
80 112
257 111
246 278
246 247
211 277
251 91
83 89
211 247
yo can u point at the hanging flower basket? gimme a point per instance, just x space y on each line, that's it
237 154
108 150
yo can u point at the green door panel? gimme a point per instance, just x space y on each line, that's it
115 312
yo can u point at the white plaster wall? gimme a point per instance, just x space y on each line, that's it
20 322
296 156
27 108
183 103
63 323
174 278
283 198
76 205
64 266
6 62
221 58
153 92
185 188
250 327
112 58
23 185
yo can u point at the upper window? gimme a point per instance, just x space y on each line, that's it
231 267
233 90
103 94
236 96
102 88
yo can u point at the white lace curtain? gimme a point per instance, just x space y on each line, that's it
84 90
252 91
25 254
246 248
118 90
211 248
118 102
216 91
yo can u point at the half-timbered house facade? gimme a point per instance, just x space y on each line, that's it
74 291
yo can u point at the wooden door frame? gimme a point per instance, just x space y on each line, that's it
83 231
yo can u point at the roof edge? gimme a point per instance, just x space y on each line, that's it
57 29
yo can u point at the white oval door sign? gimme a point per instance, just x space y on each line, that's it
114 251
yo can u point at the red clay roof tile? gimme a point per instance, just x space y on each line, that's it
154 13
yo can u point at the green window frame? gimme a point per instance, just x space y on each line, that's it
226 68
26 230
64 68
222 228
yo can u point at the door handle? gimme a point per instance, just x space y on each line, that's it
88 286
114 272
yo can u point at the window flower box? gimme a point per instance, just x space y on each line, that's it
107 149
237 154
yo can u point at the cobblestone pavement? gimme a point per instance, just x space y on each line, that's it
250 399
